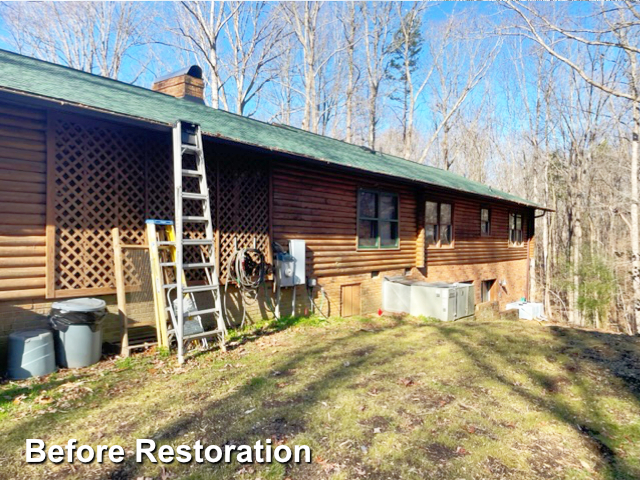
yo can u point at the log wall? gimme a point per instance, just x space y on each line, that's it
469 246
310 202
320 206
22 201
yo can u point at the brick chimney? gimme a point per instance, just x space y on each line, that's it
186 83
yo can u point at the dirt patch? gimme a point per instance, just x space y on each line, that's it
554 384
429 398
279 429
497 469
377 422
546 460
439 453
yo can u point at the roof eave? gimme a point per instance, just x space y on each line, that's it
78 106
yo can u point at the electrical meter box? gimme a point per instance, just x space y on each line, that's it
291 267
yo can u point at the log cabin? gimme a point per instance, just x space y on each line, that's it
80 153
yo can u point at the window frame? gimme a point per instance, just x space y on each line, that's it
488 232
515 216
438 233
488 291
377 219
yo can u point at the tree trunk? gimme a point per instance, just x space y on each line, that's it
373 115
635 227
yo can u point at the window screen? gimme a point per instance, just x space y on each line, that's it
515 229
377 219
485 221
438 223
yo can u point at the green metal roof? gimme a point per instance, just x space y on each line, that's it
23 74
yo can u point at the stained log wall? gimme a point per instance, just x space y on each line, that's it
22 201
469 246
310 202
320 206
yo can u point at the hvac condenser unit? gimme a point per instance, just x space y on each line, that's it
437 300
465 304
396 294
444 301
527 310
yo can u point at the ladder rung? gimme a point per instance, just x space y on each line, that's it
198 265
187 147
166 243
194 196
189 218
197 241
191 173
199 288
193 289
188 265
202 312
197 336
194 313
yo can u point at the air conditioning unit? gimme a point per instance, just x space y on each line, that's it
437 300
396 294
465 299
527 310
444 301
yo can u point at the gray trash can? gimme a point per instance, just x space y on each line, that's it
30 354
77 326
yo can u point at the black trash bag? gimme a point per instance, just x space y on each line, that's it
61 319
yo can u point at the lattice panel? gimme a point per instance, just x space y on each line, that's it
101 181
160 178
243 207
106 176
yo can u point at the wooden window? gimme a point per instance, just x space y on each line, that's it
377 219
438 223
515 229
485 221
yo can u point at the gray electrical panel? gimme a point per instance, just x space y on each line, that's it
291 267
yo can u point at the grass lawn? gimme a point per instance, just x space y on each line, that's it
374 398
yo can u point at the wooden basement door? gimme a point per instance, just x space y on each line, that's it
350 300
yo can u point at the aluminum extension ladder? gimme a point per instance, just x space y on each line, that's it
188 161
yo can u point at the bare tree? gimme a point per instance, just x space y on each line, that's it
613 31
351 34
254 35
92 36
200 25
459 58
378 35
303 20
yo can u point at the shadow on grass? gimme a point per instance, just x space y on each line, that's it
18 388
621 362
225 422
